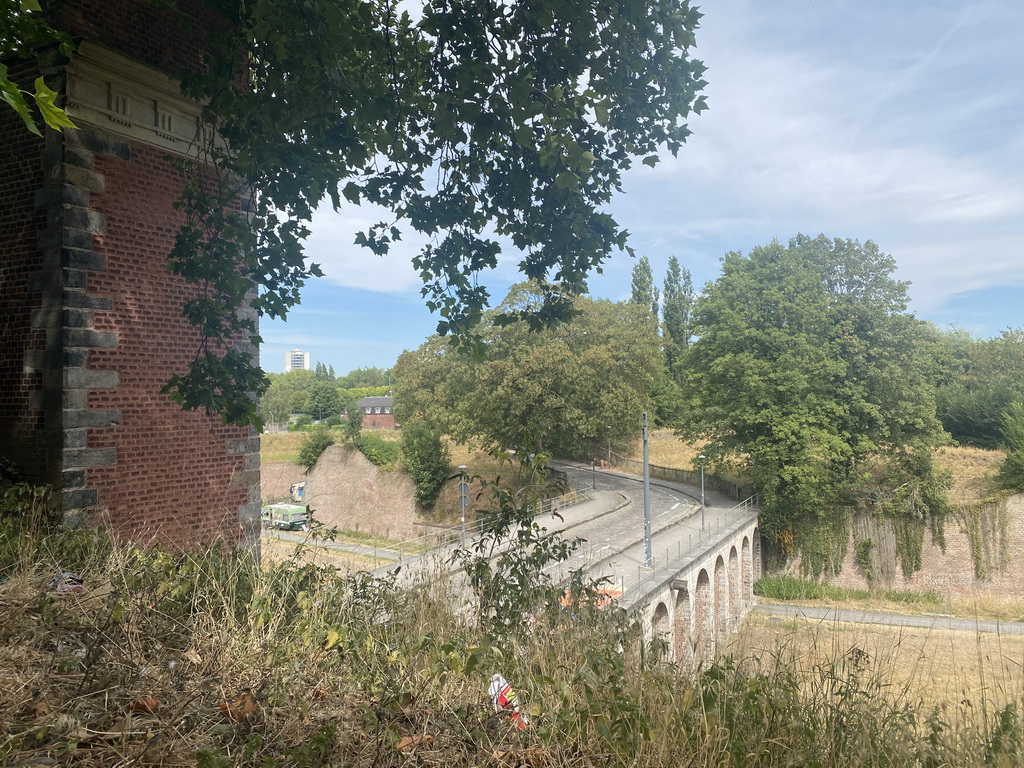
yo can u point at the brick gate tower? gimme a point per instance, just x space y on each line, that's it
90 317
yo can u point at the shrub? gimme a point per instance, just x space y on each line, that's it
381 452
1011 473
354 423
301 423
426 460
313 444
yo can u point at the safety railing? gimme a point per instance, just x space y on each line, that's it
671 559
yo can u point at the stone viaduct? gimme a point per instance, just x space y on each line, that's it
699 597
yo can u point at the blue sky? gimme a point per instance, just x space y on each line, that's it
899 122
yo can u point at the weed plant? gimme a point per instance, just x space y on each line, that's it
208 659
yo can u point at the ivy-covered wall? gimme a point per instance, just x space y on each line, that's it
983 552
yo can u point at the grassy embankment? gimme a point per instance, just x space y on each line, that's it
208 660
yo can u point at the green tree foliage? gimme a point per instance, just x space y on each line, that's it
292 386
365 377
676 306
561 390
314 443
643 291
426 459
469 122
383 453
982 379
354 423
23 32
808 368
276 405
323 373
1011 473
322 400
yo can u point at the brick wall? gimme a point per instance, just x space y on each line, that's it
21 418
91 316
179 474
950 570
170 40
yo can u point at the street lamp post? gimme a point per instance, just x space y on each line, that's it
701 459
593 473
648 558
463 498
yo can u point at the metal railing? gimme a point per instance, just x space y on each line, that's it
671 559
734 491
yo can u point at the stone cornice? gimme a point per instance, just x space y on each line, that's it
115 94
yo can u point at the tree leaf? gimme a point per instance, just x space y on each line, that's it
53 115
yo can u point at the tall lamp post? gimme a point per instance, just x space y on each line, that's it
648 558
701 459
463 499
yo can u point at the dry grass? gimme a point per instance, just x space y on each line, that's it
973 471
275 550
956 671
280 446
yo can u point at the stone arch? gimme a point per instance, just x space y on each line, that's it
703 636
660 633
747 565
733 608
682 641
721 594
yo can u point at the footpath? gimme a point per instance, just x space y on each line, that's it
845 615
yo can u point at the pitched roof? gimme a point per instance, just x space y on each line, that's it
363 402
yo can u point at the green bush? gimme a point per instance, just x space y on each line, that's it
1011 473
426 459
301 423
381 452
354 423
313 444
782 587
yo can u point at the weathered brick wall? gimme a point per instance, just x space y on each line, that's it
21 220
179 474
92 319
950 571
346 491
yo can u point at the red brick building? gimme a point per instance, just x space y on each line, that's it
90 317
377 412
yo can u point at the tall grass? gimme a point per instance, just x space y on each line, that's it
208 659
784 587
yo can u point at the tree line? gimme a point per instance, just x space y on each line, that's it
800 367
319 395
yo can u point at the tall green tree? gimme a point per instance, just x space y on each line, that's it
293 386
677 304
276 405
426 459
643 291
353 425
1011 472
808 369
323 373
564 390
322 400
984 377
